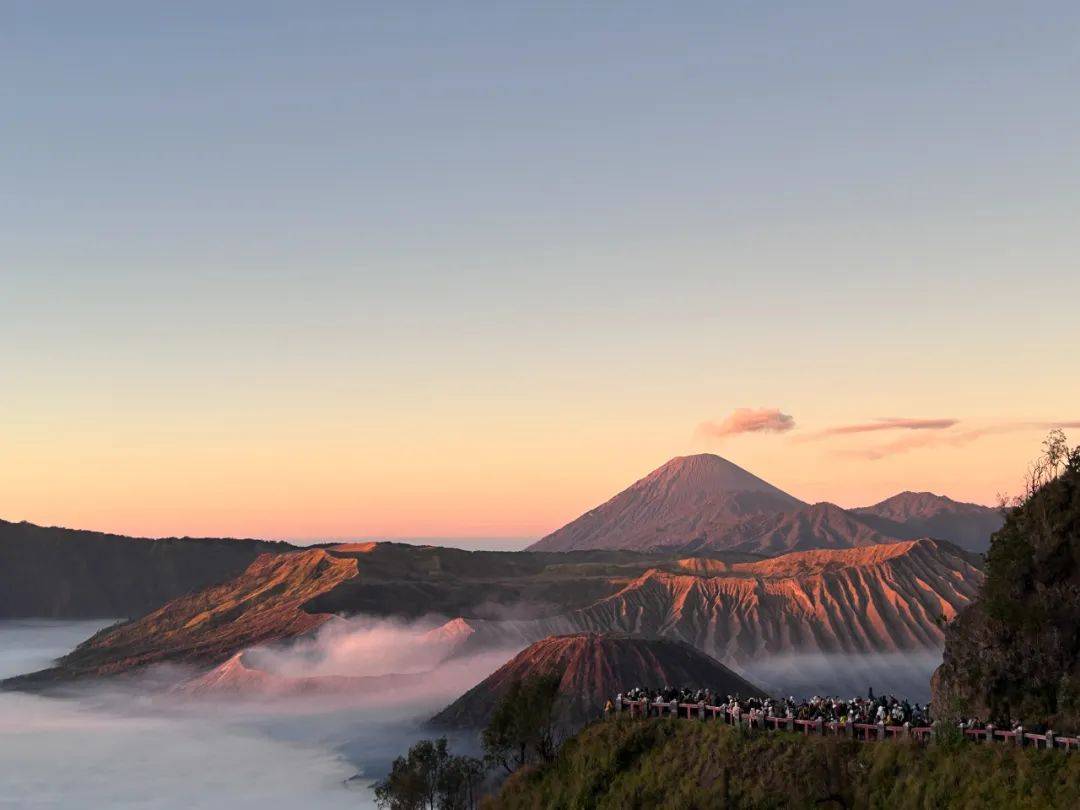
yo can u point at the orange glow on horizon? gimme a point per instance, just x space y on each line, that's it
512 490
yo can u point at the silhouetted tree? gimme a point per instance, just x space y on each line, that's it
522 727
459 783
429 777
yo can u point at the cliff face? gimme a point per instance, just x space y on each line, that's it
593 668
1015 653
265 603
883 598
70 574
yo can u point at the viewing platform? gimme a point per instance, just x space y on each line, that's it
864 732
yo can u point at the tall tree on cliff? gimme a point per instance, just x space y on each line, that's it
1014 654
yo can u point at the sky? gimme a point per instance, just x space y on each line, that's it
331 270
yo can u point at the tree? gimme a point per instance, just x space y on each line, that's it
1014 654
522 727
429 777
459 783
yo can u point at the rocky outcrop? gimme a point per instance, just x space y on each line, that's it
69 574
592 668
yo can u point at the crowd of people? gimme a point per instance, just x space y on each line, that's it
870 709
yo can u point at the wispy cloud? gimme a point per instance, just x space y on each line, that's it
748 420
885 423
951 438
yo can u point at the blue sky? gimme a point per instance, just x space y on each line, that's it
508 239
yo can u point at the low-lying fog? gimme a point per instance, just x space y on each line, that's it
247 746
123 747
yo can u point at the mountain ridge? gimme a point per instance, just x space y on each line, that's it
265 603
819 525
61 573
703 503
911 514
876 599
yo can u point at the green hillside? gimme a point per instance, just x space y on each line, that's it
624 763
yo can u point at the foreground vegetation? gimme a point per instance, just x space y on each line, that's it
521 733
1014 655
625 763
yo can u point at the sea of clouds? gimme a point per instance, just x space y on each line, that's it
132 744
124 745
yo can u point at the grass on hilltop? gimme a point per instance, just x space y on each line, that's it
625 763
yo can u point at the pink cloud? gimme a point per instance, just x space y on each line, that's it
888 423
748 420
952 438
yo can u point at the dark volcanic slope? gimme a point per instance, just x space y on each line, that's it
70 574
823 525
594 668
689 499
265 603
911 515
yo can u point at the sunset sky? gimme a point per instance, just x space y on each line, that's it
459 269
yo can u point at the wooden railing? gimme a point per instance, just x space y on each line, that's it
865 732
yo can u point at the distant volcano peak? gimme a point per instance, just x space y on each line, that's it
708 470
688 499
704 502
